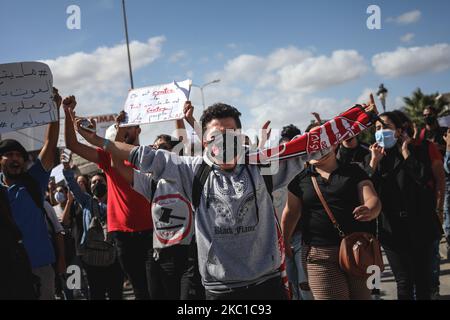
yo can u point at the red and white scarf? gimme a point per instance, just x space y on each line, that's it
345 126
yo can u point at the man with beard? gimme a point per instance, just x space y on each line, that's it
128 212
26 189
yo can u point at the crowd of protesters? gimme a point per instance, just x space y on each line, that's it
157 213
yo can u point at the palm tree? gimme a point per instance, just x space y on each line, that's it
415 105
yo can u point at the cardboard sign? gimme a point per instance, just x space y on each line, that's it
158 103
26 96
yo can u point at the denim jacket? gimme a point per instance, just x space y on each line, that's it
447 162
85 200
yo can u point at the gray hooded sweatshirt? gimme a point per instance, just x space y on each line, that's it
236 228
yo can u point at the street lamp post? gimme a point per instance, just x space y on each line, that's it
203 87
128 43
382 95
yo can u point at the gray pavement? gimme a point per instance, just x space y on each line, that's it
388 286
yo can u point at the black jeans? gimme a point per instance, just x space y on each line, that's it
174 275
105 281
191 281
132 251
412 269
271 289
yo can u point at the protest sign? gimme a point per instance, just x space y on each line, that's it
57 173
26 96
444 122
158 103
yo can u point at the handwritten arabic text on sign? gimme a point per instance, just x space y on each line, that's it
158 103
26 91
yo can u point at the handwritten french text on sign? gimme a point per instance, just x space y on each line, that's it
159 103
26 96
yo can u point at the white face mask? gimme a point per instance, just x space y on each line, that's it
60 197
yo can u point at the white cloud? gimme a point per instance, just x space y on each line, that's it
245 67
279 86
293 69
100 79
177 56
407 38
320 72
260 70
294 108
407 17
286 56
364 97
414 60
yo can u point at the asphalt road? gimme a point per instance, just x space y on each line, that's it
388 286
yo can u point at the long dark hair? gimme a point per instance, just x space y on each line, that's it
87 185
392 116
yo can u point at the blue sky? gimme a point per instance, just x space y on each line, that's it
232 40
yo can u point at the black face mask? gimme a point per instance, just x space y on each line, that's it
227 147
99 190
347 152
430 120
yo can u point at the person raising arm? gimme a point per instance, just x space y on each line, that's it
87 152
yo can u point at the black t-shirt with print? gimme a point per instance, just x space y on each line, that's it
341 194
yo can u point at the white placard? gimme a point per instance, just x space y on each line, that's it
157 103
57 172
26 96
444 122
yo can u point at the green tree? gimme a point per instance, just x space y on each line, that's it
415 105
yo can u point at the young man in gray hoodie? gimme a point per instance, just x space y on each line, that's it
240 247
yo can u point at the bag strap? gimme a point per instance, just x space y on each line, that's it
32 187
95 208
268 180
6 218
153 186
326 207
202 175
200 178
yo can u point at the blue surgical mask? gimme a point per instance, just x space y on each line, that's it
386 138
